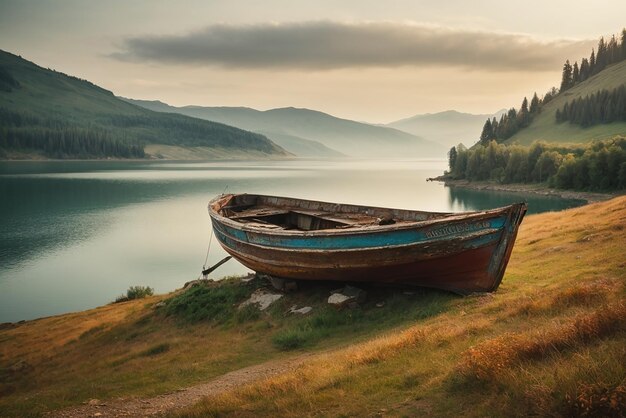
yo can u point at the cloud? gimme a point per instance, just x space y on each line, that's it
325 45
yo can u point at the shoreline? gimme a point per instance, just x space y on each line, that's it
535 189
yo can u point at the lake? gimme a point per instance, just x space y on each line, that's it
74 235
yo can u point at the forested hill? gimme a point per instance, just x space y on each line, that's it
589 105
546 127
50 113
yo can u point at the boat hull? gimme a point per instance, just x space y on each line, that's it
461 253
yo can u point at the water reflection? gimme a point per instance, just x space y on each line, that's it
466 200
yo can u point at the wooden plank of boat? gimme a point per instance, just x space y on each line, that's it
310 240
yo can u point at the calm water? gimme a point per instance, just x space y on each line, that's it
75 235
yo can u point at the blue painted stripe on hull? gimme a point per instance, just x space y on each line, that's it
478 241
362 240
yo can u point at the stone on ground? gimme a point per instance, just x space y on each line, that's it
262 298
347 296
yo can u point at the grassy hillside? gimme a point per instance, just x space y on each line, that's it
43 106
551 341
545 128
350 138
447 128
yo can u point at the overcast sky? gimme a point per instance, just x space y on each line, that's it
373 61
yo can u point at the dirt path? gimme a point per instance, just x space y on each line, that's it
169 402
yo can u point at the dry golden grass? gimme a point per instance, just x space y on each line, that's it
597 400
33 340
115 350
487 360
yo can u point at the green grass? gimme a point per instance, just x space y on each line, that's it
545 128
291 339
135 292
327 321
212 301
218 303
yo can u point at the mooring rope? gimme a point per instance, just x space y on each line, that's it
208 250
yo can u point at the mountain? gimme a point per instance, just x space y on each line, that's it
447 128
544 126
48 112
234 115
302 147
348 137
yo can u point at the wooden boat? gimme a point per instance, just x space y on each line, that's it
309 240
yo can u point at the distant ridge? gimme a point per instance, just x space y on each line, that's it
448 128
290 126
56 115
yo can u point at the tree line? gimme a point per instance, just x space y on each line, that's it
513 120
600 165
601 107
608 53
59 139
173 129
117 135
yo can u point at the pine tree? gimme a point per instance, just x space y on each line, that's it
487 133
523 116
584 69
608 112
452 155
592 63
601 56
500 134
566 80
575 74
612 51
494 128
524 107
534 104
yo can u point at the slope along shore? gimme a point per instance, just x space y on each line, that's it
550 341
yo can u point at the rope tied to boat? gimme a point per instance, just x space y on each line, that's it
206 271
207 251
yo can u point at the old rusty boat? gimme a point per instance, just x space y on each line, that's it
309 240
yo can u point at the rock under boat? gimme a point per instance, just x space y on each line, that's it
309 240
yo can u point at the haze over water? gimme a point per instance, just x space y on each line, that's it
75 235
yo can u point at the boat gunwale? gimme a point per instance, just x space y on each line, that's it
446 217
